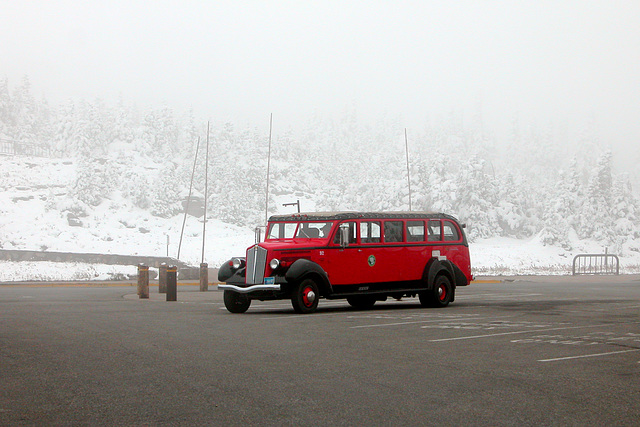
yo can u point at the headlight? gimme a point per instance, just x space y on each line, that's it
236 263
274 263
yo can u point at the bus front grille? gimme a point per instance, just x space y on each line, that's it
256 263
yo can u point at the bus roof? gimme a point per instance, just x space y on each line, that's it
332 216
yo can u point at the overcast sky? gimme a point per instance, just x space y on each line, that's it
241 60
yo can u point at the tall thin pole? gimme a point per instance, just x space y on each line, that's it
186 209
266 202
206 188
406 145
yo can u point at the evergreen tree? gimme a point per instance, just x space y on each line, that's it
87 187
161 132
597 219
166 201
6 116
561 209
64 130
476 200
624 212
25 113
509 212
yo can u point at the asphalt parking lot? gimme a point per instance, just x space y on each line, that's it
531 351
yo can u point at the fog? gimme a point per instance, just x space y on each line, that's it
568 62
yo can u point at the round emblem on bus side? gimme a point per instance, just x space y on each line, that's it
372 260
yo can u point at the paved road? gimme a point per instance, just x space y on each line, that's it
532 351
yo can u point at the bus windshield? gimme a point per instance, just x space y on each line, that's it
299 230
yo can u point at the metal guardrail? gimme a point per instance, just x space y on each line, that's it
10 147
596 264
91 258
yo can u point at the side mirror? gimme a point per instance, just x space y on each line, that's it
258 232
344 235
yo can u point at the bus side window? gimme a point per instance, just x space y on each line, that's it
352 233
450 232
392 231
435 234
370 232
415 231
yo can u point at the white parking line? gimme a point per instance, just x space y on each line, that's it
295 316
588 355
442 320
516 332
495 296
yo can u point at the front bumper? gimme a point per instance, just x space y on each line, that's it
248 289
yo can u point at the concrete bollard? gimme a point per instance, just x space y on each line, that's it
172 283
143 281
162 278
204 277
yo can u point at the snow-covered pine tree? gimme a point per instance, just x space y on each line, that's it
561 208
166 195
25 113
87 187
6 116
624 211
162 132
597 220
476 202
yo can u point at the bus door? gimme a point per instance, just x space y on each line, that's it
364 260
339 264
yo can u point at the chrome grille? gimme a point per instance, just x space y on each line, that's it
256 263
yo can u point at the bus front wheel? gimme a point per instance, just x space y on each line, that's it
305 297
236 302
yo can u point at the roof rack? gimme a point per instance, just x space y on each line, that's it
332 216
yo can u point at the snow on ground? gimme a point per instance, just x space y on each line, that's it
34 203
515 257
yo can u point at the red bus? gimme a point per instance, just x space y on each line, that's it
361 256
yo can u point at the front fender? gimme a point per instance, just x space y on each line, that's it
303 267
226 271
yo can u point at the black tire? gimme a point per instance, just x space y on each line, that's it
236 302
305 297
361 302
441 294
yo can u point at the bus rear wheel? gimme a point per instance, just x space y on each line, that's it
305 297
441 294
235 301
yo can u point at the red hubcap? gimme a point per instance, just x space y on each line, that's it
442 292
308 296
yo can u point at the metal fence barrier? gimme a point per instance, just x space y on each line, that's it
596 264
16 148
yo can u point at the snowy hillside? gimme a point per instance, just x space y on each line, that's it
34 215
113 179
35 203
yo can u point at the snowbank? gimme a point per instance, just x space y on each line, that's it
504 256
